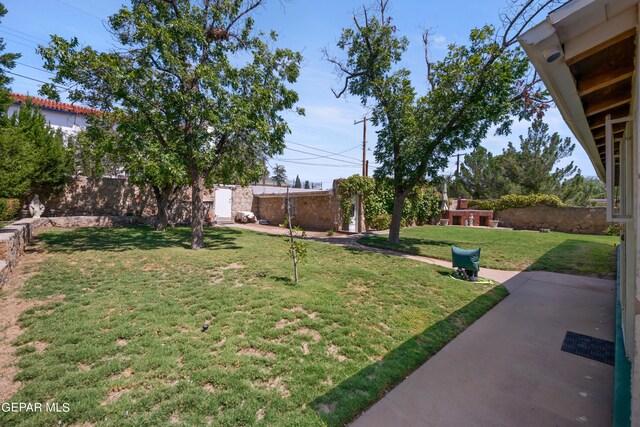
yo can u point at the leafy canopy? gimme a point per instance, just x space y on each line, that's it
179 79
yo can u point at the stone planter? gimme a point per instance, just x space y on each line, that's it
444 221
494 223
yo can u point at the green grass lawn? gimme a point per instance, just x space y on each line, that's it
124 345
511 250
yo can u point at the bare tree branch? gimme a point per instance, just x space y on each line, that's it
425 41
520 15
252 5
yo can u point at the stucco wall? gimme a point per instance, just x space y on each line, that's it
313 211
578 220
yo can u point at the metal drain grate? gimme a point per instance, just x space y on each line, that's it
589 347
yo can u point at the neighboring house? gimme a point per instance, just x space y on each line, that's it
586 52
67 117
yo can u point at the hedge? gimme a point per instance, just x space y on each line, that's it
517 201
9 209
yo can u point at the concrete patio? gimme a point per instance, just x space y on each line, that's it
507 369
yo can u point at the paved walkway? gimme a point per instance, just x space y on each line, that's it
507 368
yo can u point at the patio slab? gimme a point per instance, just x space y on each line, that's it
507 368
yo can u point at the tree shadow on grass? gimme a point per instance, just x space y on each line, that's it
578 257
408 244
119 239
345 401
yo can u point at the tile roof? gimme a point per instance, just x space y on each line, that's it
54 105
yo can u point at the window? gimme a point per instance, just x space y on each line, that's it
619 166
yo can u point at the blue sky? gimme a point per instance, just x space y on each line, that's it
303 25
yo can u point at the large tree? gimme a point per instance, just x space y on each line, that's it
481 174
533 167
279 175
196 78
115 138
475 87
581 191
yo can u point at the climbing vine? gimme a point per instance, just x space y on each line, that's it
420 206
355 185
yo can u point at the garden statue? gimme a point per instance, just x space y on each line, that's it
444 206
471 220
36 209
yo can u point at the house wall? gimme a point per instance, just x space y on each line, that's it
630 275
318 210
68 122
580 220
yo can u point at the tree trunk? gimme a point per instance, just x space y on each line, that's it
197 211
361 222
163 201
396 217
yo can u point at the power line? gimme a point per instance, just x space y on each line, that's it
324 151
33 46
318 164
25 34
20 37
35 68
328 157
78 9
35 80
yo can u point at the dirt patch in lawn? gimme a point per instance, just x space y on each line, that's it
299 309
273 384
255 353
11 306
334 351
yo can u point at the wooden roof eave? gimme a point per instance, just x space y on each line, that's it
537 44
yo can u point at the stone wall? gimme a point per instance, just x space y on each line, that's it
318 210
242 199
117 197
580 220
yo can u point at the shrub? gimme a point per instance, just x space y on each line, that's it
518 201
380 221
9 209
613 229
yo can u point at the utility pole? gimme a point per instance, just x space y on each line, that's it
458 165
365 168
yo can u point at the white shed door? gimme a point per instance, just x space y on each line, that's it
223 203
